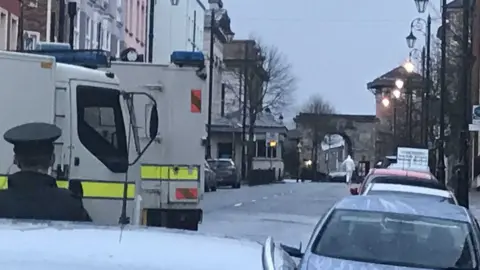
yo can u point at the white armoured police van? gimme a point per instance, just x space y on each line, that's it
172 169
94 156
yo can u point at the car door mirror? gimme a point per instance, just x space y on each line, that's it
292 251
354 191
153 125
275 257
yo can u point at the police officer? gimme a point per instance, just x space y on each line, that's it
32 193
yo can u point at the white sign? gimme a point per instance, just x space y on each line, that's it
412 157
476 115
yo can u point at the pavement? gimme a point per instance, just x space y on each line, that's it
288 212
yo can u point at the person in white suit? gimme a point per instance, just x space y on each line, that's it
349 166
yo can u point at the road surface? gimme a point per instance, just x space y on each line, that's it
288 212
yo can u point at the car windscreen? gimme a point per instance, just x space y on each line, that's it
397 239
411 195
220 164
408 180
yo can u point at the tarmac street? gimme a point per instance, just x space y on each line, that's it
288 211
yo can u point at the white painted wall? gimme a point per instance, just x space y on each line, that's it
174 27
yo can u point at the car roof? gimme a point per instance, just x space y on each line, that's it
410 189
61 245
401 205
400 172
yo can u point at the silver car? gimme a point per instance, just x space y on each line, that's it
388 233
210 178
226 172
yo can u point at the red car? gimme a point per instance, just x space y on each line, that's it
396 176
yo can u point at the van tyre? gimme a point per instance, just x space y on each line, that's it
237 185
214 188
206 188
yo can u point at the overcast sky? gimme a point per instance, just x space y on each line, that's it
336 47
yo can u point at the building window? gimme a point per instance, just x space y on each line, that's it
118 49
30 39
3 29
119 10
225 150
137 26
130 11
76 35
261 148
142 19
33 3
271 152
106 42
88 34
95 34
13 32
109 41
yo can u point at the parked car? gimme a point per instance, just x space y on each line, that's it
210 178
77 246
403 177
337 177
373 232
438 195
226 172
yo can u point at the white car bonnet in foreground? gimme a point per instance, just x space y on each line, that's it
67 246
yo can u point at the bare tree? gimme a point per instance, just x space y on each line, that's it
277 87
272 90
318 105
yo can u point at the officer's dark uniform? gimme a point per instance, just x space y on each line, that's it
34 195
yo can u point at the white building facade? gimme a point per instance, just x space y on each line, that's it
177 28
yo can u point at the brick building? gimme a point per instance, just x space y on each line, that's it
9 14
36 23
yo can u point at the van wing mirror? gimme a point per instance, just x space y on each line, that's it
153 123
354 191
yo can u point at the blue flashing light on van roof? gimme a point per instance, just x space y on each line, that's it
56 46
86 58
186 58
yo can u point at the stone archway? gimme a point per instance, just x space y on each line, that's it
358 131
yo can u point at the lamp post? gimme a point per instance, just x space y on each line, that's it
421 6
229 36
396 95
461 168
409 67
299 156
419 24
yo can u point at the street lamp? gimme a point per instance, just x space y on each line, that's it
386 102
409 66
399 83
396 93
299 156
421 5
411 39
425 27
